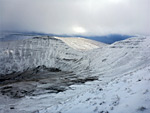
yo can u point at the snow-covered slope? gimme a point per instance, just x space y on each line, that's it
121 57
123 69
124 76
23 54
82 43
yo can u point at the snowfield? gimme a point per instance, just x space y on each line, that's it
122 68
82 43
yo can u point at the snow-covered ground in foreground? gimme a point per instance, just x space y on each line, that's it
129 93
123 69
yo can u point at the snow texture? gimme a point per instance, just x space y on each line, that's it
17 56
123 69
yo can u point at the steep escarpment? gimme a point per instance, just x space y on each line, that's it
20 55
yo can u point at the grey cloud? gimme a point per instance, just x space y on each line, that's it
97 17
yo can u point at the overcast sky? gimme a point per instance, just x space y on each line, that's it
86 17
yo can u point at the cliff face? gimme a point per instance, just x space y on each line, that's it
17 56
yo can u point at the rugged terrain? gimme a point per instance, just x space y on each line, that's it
57 75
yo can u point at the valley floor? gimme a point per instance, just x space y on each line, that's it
129 92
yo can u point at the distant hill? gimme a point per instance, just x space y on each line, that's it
81 43
108 39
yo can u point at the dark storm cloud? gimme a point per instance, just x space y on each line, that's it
90 17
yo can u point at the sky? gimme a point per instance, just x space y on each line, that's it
84 17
